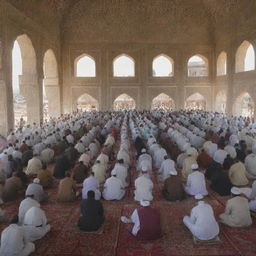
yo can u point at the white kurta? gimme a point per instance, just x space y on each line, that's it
166 166
196 184
250 163
121 173
99 172
37 191
91 183
47 155
143 189
201 222
34 166
85 158
113 189
159 155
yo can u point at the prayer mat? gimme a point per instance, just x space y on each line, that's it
98 232
215 240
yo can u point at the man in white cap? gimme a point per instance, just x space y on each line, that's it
34 166
196 182
158 156
167 166
237 211
144 159
201 222
143 187
91 183
85 158
35 224
99 170
113 188
146 221
37 190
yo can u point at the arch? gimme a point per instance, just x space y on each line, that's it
163 102
245 57
51 90
221 101
197 66
123 66
162 66
85 66
124 102
195 101
222 64
87 103
244 105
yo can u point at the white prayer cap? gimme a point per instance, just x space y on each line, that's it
144 168
114 172
143 150
173 172
235 191
144 203
194 166
199 196
36 180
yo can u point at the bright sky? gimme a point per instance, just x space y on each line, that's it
124 67
249 62
162 66
16 67
195 59
85 67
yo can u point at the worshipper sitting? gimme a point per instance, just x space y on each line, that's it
228 162
252 197
250 163
85 158
35 224
91 183
213 168
61 166
25 205
143 187
201 222
37 190
92 213
47 155
121 172
173 189
147 224
196 182
79 172
220 183
203 160
188 162
11 188
237 174
67 189
14 241
34 165
237 211
113 188
167 166
99 171
45 177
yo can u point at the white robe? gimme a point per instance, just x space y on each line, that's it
196 184
143 189
113 189
121 173
166 166
91 183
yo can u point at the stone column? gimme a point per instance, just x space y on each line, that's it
52 91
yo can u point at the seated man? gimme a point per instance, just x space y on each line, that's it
79 172
121 172
34 165
91 183
25 205
92 213
196 182
143 187
67 189
37 190
45 177
237 174
237 211
14 241
166 166
173 188
35 224
99 171
146 221
201 221
11 188
220 183
113 188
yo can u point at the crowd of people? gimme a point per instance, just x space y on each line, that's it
189 152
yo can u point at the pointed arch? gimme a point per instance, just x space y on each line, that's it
124 102
245 57
87 103
123 66
221 101
162 66
244 105
162 101
195 101
222 64
197 66
85 66
51 90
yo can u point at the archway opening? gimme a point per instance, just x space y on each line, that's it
244 105
162 66
87 103
19 101
197 66
220 102
123 66
195 101
85 66
124 102
245 57
222 64
162 102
